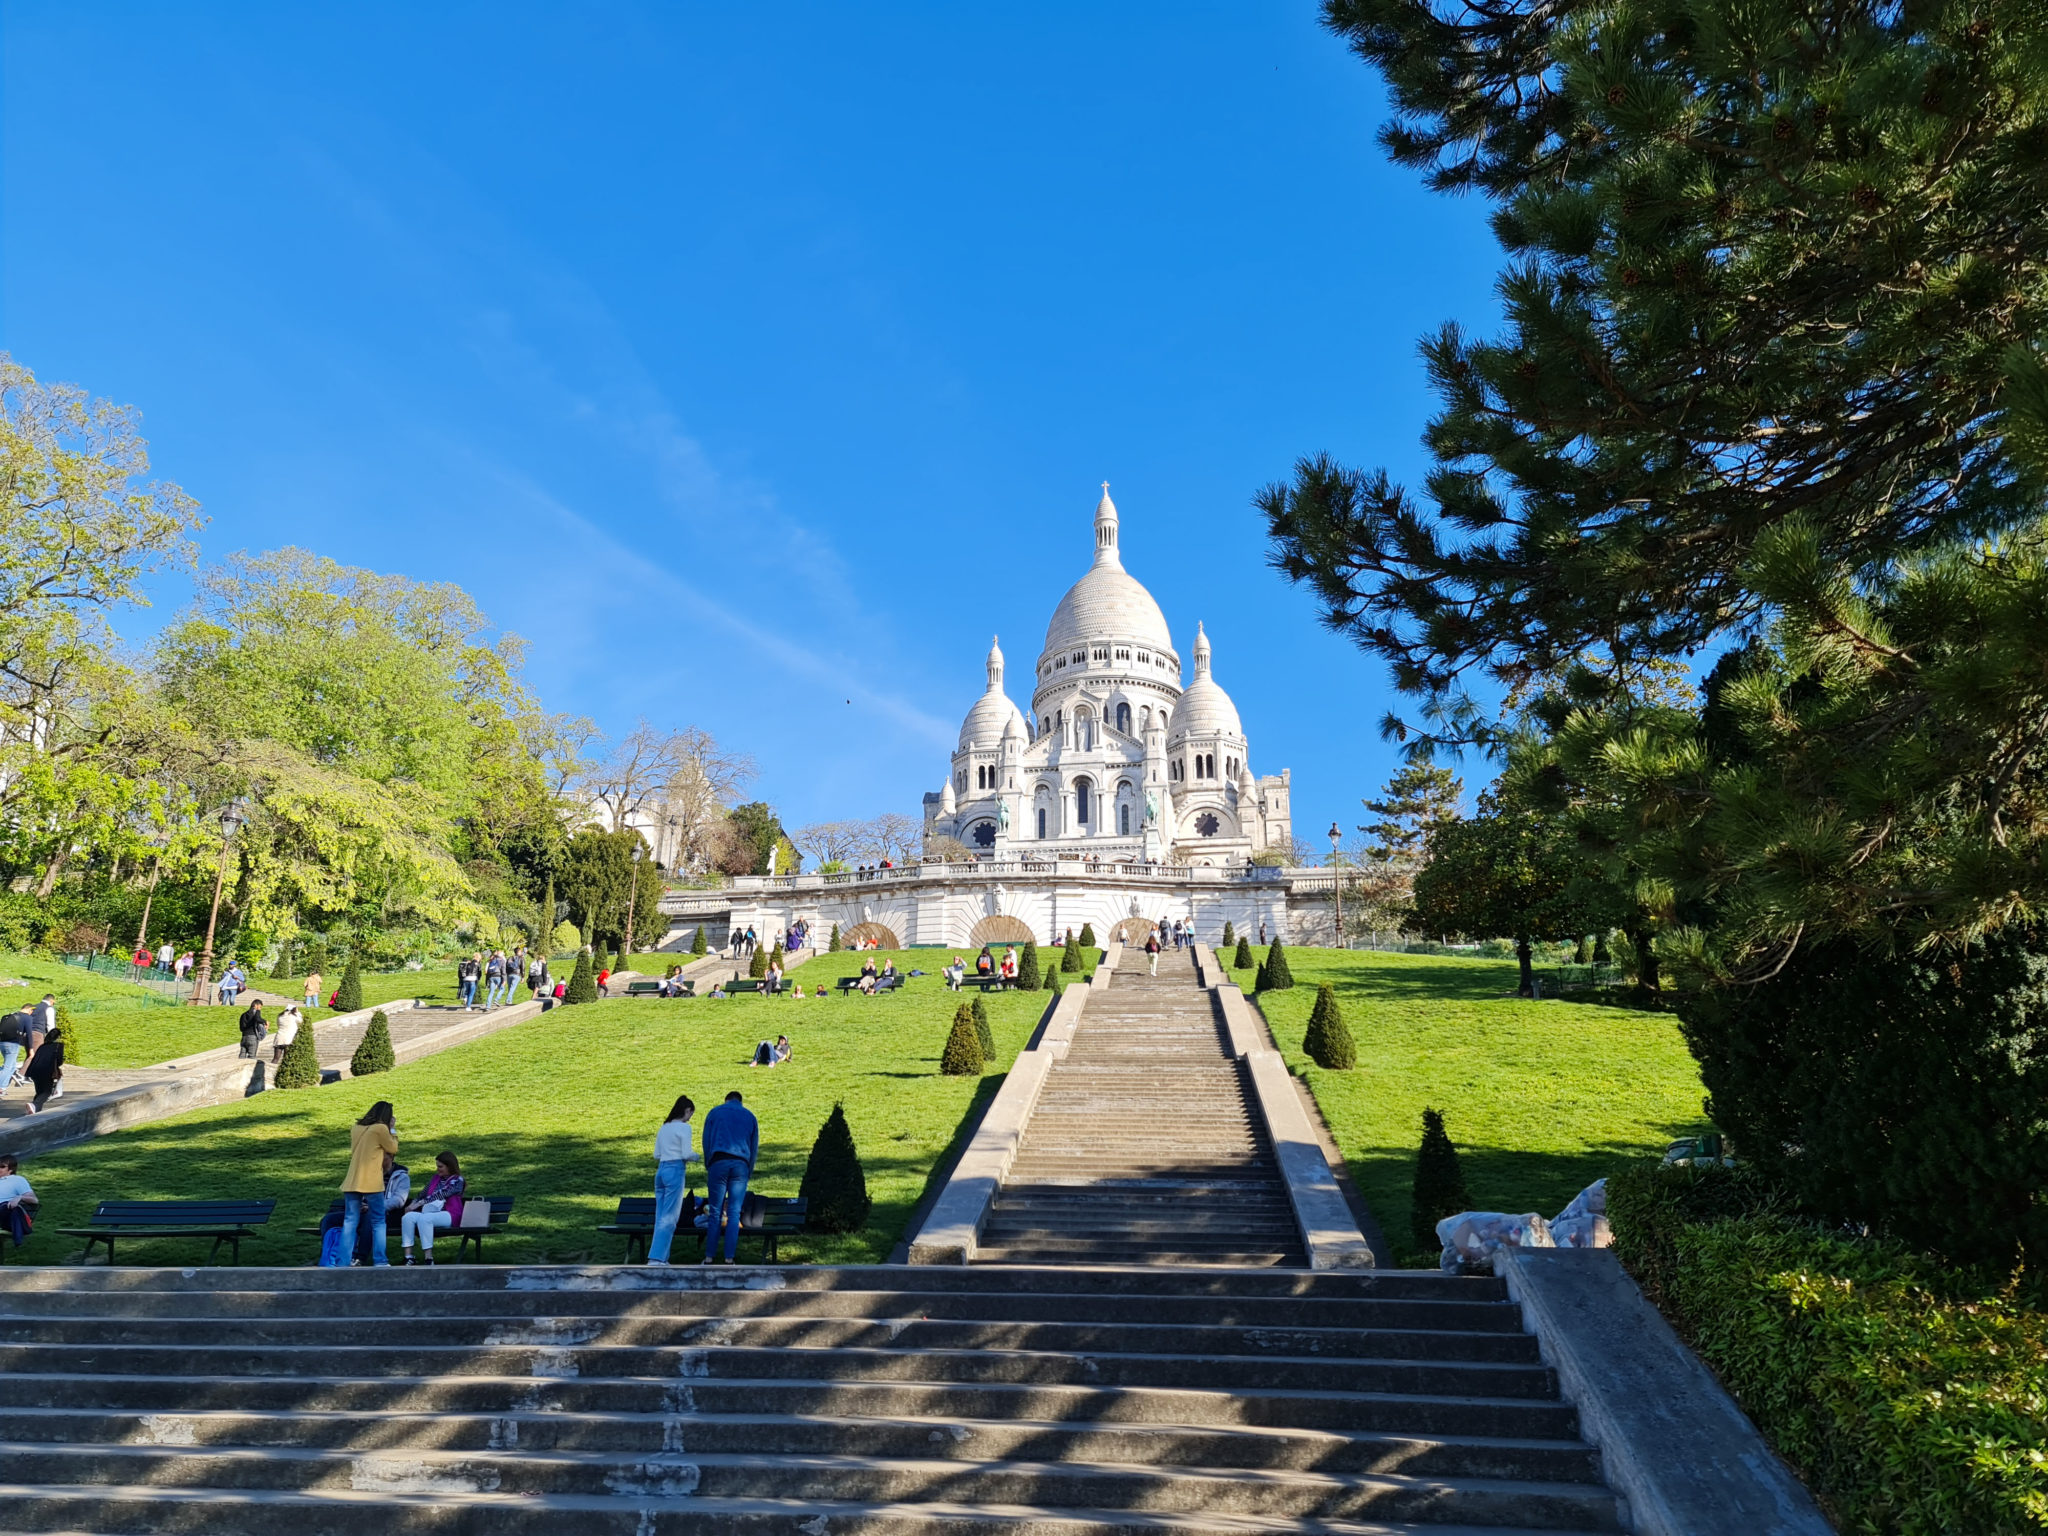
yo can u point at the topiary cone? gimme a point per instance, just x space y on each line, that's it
1070 957
1029 978
833 947
582 981
301 1065
1052 979
1087 935
350 995
962 1056
700 946
374 1053
982 1033
1439 1184
1328 1041
757 967
1242 960
1229 934
834 1182
1274 976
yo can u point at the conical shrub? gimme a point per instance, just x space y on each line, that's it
315 961
1229 934
963 1056
1439 1184
833 947
373 1053
1242 960
757 967
1274 976
982 1033
702 946
1602 954
834 1182
1052 979
1029 978
350 997
582 981
1328 1041
301 1065
1087 935
1070 957
282 971
1583 955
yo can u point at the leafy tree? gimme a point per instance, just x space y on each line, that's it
831 948
699 945
1029 973
1439 1184
1242 960
564 938
373 1052
1070 957
348 997
760 833
1087 935
1328 1041
1275 975
300 1067
983 1035
962 1056
834 1182
582 981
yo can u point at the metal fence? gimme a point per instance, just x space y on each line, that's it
164 988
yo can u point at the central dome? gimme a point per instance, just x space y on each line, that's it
1108 602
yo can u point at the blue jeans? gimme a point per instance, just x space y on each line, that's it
668 1208
352 1206
727 1191
10 1053
496 993
467 992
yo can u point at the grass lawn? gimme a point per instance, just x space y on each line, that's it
562 1112
1540 1098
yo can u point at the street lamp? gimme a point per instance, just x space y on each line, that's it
1337 880
632 895
231 821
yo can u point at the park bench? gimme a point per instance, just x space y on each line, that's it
779 1218
501 1213
634 1222
989 983
753 984
882 983
225 1221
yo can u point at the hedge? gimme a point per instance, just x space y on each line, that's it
1912 1399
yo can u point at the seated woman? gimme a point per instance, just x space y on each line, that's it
867 980
718 989
438 1209
1009 962
984 963
797 991
867 969
955 973
783 1049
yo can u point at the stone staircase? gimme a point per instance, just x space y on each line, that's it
975 1401
1145 1146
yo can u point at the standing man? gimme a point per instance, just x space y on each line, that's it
465 981
164 957
14 1029
732 1140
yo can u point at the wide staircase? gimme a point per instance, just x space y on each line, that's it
979 1401
1145 1147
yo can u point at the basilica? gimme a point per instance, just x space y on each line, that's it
1118 760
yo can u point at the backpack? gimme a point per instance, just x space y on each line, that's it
331 1256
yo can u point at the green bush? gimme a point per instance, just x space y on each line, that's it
1274 976
1439 1184
567 936
1243 960
983 1035
1328 1041
1029 978
1087 935
699 945
963 1056
77 1045
1052 979
582 981
757 965
1070 957
350 994
282 971
1908 1399
834 1182
831 948
1229 935
373 1052
301 1065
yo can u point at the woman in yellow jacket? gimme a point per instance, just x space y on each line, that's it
370 1143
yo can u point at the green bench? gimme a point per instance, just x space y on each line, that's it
882 983
225 1221
501 1214
634 1221
679 988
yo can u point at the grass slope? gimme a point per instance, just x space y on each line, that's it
562 1113
1540 1098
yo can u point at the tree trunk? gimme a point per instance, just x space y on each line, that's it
1647 979
56 868
1528 987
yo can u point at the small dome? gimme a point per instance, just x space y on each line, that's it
1204 708
1108 602
990 719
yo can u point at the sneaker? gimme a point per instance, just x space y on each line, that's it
408 1260
429 1260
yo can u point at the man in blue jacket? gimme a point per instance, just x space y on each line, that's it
732 1140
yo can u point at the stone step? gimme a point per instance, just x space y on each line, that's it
146 1511
525 1473
646 1434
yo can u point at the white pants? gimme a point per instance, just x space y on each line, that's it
1152 961
423 1225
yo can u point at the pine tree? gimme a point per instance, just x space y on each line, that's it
702 946
1439 1184
582 981
1602 953
1229 936
1070 957
1328 1041
1087 935
301 1065
1584 954
833 947
982 1033
1242 960
1028 971
834 1182
1274 975
962 1056
374 1053
350 996
757 966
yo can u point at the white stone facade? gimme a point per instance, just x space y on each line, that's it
1119 762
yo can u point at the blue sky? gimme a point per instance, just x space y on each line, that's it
756 364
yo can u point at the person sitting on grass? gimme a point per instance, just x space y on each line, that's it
439 1208
718 989
783 1049
797 992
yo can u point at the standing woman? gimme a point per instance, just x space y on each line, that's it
372 1140
672 1157
45 1067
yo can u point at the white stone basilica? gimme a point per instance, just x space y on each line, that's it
1119 761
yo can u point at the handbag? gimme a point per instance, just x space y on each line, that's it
433 1207
476 1212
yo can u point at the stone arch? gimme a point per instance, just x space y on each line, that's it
860 933
1132 930
1001 929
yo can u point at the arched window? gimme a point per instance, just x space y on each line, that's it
1123 820
1123 718
1081 797
1041 821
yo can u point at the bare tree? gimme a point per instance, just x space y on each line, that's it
827 841
678 784
895 837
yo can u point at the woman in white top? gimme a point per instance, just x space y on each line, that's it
287 1029
672 1156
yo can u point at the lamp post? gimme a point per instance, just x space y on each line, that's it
231 821
1337 880
632 896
